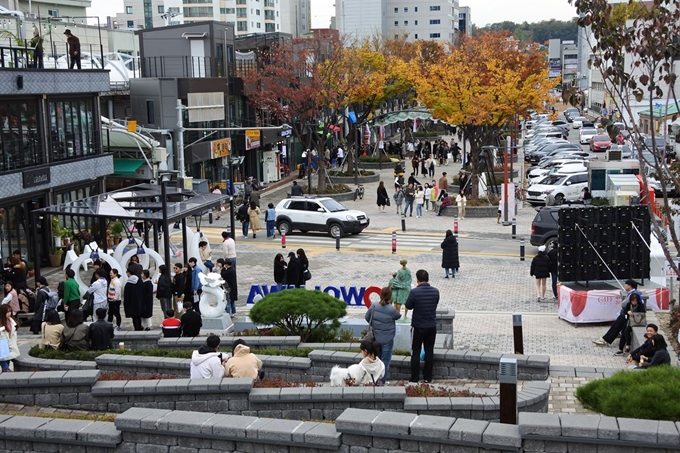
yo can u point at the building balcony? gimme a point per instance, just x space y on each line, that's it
171 66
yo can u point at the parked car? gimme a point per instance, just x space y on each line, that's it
559 187
555 166
318 214
588 123
658 145
600 143
545 225
585 134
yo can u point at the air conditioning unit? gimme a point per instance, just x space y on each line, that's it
613 155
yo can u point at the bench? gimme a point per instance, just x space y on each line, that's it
24 318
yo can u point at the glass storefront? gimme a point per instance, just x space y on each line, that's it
77 223
15 228
72 132
20 139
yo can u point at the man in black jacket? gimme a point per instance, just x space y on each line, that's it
423 300
101 332
178 288
647 348
228 274
191 321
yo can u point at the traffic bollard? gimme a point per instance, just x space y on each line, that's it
210 218
514 229
517 335
521 250
394 242
283 240
337 243
403 224
455 226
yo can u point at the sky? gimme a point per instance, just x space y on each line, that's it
483 11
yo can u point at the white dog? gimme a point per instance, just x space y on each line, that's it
339 376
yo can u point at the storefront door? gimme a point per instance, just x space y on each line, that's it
16 230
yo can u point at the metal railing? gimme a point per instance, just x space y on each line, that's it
170 66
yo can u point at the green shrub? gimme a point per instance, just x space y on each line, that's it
329 190
91 355
600 201
312 315
350 174
652 394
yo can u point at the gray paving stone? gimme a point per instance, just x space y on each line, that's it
576 425
668 433
413 404
323 434
182 422
280 430
636 430
394 423
468 430
21 426
61 429
100 433
356 420
428 426
608 428
132 418
233 427
253 429
502 435
539 424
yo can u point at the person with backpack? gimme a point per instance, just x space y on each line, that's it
270 218
45 300
99 291
243 217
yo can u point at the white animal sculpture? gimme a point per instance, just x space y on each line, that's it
213 301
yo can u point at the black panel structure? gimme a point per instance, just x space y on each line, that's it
608 230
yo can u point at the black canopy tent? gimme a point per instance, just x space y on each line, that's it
148 203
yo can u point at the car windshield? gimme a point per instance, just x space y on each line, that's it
580 118
601 138
333 206
553 180
588 131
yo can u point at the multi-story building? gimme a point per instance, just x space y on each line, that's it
296 17
465 20
426 19
570 63
51 149
54 8
247 16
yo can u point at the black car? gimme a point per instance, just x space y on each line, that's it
570 113
544 226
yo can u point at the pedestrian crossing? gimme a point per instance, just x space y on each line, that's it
363 241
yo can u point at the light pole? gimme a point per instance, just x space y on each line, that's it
164 177
233 160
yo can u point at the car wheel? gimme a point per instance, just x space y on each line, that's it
284 227
559 199
335 230
549 243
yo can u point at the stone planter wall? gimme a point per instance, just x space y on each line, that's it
473 212
349 180
355 430
386 165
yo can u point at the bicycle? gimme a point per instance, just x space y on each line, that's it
359 192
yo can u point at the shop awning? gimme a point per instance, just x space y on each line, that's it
126 167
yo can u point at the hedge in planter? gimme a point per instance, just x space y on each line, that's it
312 315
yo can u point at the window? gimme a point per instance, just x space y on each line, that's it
405 23
72 129
435 8
128 10
20 140
258 25
53 12
200 11
161 9
227 10
257 12
415 22
416 35
269 3
241 12
131 24
396 23
242 26
406 9
269 15
269 28
435 21
434 35
415 9
240 2
396 10
150 116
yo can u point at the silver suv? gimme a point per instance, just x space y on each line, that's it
318 214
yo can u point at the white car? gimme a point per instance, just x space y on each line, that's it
586 134
318 214
555 166
578 122
557 188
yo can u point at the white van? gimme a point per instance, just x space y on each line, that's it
559 186
562 166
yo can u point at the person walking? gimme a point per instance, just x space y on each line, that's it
552 254
229 248
383 198
71 299
540 269
244 218
423 300
270 220
254 218
114 298
382 317
229 276
434 193
99 290
196 285
450 261
398 199
164 289
305 274
409 196
419 200
401 287
443 182
218 208
426 196
73 49
415 163
147 300
461 201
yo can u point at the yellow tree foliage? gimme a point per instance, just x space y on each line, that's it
480 83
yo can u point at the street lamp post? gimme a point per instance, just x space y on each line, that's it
232 161
164 177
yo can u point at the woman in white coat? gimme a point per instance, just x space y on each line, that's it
9 349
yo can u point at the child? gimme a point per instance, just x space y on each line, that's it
375 368
170 325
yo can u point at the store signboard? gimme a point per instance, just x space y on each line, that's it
36 177
220 148
252 138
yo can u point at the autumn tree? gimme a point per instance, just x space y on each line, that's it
480 84
635 49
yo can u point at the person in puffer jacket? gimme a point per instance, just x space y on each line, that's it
207 363
243 363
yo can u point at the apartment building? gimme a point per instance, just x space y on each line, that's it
296 17
423 19
54 8
465 20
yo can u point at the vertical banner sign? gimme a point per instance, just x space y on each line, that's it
252 138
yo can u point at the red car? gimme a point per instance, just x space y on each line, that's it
600 143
